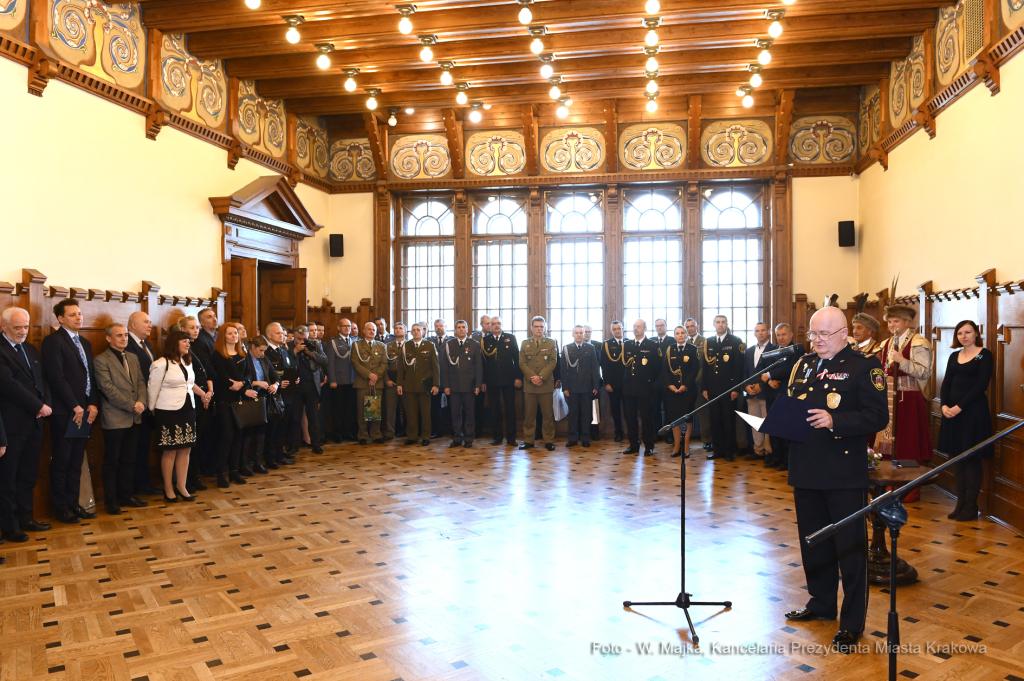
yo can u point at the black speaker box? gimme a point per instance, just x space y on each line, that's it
338 244
847 235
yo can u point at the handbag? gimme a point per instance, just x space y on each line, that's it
249 413
275 407
371 407
559 407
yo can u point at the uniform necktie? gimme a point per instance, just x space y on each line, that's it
680 348
21 351
85 363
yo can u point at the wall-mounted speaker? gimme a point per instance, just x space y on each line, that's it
847 234
338 245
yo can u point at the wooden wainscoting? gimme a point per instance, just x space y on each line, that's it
326 314
1005 477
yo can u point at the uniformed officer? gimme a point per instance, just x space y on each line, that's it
723 368
537 359
611 373
641 366
580 383
462 373
829 470
664 341
774 383
439 416
418 379
501 378
382 335
369 359
697 340
482 415
339 376
595 422
392 401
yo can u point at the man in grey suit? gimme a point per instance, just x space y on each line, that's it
580 382
462 373
339 377
123 399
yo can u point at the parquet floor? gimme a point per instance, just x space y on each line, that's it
388 562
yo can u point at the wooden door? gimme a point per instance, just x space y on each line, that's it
283 297
243 294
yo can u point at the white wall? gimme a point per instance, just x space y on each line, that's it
345 280
820 266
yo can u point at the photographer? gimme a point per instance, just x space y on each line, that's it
311 360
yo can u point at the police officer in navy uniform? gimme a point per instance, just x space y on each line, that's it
664 341
501 378
723 368
611 375
829 470
642 364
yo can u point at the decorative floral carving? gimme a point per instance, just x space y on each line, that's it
736 143
869 118
822 139
260 121
652 147
906 84
12 18
191 87
572 150
949 43
419 157
352 160
496 153
106 41
311 145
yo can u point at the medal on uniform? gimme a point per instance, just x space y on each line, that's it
833 400
725 358
643 361
686 358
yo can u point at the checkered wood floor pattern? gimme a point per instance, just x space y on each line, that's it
388 562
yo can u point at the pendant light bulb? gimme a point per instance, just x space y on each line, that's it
764 57
748 101
461 98
323 61
350 84
651 39
426 54
546 71
410 110
652 106
536 46
475 116
446 78
651 65
405 26
292 35
652 86
371 103
392 121
775 30
562 111
252 4
554 92
525 15
755 80
788 2
652 6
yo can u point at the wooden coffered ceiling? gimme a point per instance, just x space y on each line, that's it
827 50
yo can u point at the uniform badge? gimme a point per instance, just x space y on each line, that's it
833 400
725 358
802 397
878 379
686 358
643 361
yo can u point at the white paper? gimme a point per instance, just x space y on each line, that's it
754 421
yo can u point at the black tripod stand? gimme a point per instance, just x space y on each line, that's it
683 601
890 509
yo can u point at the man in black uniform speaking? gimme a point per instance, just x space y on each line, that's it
722 369
642 364
829 471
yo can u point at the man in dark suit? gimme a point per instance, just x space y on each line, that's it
24 403
588 337
774 383
276 434
757 404
845 392
482 414
440 417
139 329
462 373
208 333
69 371
501 378
311 361
580 382
664 340
722 369
611 374
642 364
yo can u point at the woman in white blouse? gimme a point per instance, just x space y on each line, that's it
172 388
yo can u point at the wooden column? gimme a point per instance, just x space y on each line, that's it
537 255
779 295
783 118
378 145
927 329
453 132
530 138
383 284
692 299
988 321
613 300
464 259
693 133
149 302
611 135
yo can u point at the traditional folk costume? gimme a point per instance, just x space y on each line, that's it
909 436
870 347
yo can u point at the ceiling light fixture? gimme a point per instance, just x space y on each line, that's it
773 15
525 15
547 69
537 46
252 4
748 99
323 61
350 82
568 100
755 78
651 39
487 106
371 101
788 2
409 110
652 86
426 54
446 71
293 20
475 115
563 107
765 57
555 92
652 6
461 98
392 121
652 63
405 25
652 105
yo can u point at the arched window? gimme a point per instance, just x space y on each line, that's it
652 268
426 284
499 260
575 264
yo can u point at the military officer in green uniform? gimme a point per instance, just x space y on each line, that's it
418 378
537 360
369 359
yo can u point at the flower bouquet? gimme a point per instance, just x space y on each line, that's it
874 458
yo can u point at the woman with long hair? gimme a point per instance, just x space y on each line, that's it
233 379
172 401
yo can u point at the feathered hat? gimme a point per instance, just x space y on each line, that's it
865 319
898 311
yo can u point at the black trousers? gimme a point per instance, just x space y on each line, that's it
463 406
580 415
615 404
643 404
845 553
440 417
230 441
65 463
657 408
142 476
325 413
497 394
780 450
723 425
277 431
343 412
306 399
19 471
119 451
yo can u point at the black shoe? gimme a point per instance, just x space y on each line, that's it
198 485
379 441
527 445
496 442
272 465
434 436
386 438
687 455
68 516
291 452
183 496
713 456
260 468
618 438
113 509
245 472
511 442
82 513
770 462
586 443
133 502
286 461
170 500
425 442
782 467
362 441
968 513
33 525
632 449
17 536
236 478
570 443
844 640
409 443
805 615
222 481
550 446
707 446
467 445
676 454
730 457
648 451
317 449
455 443
752 457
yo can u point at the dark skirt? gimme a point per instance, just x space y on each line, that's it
176 429
971 426
678 404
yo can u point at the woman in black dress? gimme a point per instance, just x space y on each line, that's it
204 404
232 379
966 418
681 366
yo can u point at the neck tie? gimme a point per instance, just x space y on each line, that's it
124 360
21 351
148 348
85 363
679 348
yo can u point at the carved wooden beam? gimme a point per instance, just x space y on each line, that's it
929 64
783 119
95 294
453 131
611 135
530 136
378 145
985 70
693 133
925 120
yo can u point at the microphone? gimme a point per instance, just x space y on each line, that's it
781 352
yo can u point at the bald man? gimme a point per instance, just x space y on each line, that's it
845 393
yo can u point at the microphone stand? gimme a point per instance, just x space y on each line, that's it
683 601
889 507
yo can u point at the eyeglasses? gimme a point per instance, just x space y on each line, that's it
811 335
